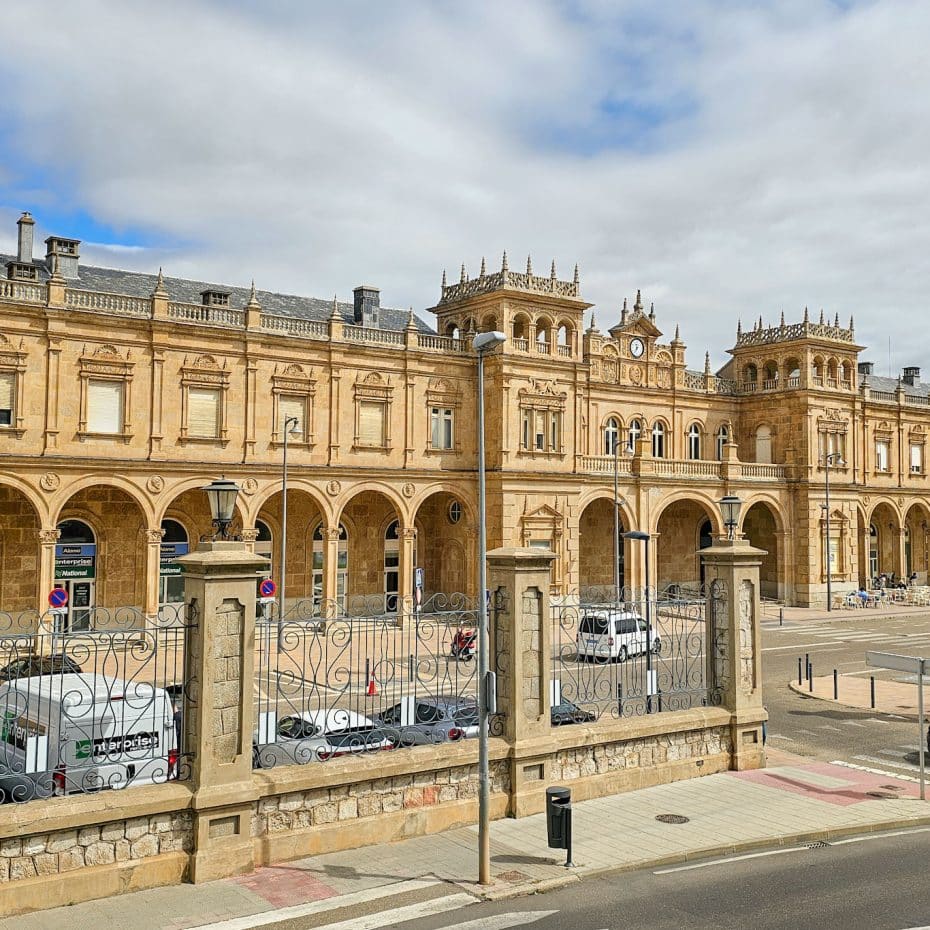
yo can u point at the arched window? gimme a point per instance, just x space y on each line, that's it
873 552
75 571
611 436
764 444
636 430
658 440
71 532
751 373
391 567
342 565
723 437
694 442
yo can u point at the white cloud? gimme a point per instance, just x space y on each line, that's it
314 146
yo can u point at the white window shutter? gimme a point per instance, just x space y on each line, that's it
7 390
104 406
203 412
370 423
917 455
293 406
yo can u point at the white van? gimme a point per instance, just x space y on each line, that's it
612 634
65 734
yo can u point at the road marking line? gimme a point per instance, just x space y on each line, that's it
865 768
401 914
499 921
704 865
779 736
894 765
318 907
878 836
802 646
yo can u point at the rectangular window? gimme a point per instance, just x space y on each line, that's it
526 430
882 449
555 431
105 407
293 407
917 458
540 431
371 424
7 391
441 433
203 412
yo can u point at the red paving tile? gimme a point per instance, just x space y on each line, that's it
857 789
285 886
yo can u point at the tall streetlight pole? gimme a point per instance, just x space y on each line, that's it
616 443
482 344
644 539
828 460
290 429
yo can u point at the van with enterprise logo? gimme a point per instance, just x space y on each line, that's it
613 634
67 734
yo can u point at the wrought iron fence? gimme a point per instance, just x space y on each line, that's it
333 681
101 708
616 658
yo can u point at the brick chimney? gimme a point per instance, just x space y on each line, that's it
911 375
367 306
26 226
866 368
66 251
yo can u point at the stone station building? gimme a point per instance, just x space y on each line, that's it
122 394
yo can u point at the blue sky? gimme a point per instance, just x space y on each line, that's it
730 158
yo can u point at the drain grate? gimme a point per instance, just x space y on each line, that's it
892 787
512 876
818 845
671 818
881 795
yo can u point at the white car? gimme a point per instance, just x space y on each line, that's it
613 634
317 735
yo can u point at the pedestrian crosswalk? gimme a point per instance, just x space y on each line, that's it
836 633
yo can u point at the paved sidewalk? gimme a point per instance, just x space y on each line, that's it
790 803
770 613
891 696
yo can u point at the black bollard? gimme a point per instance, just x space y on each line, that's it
836 686
781 616
800 672
810 677
872 689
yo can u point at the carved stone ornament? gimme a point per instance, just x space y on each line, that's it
49 481
249 486
333 488
409 490
636 374
154 537
49 537
155 484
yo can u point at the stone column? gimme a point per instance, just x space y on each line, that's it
48 538
330 570
153 538
734 644
406 565
219 590
521 655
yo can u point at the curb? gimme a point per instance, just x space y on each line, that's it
801 691
725 849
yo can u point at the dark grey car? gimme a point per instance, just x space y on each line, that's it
438 719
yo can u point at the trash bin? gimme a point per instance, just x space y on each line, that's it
559 820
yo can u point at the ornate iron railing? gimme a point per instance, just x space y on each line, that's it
613 658
333 681
97 707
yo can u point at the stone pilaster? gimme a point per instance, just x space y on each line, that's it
734 644
219 582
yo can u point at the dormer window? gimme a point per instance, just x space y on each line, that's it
215 298
18 271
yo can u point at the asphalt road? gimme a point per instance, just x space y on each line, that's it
827 732
870 883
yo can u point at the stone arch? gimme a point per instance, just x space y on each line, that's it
168 495
261 498
73 488
489 323
463 495
885 519
678 524
917 541
770 371
20 550
520 326
695 440
762 525
544 327
443 543
596 548
792 370
565 333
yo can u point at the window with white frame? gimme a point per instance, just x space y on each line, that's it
882 455
723 438
541 411
832 443
373 399
611 436
658 440
371 421
104 407
203 401
442 423
635 431
203 412
7 397
694 442
293 407
917 458
293 390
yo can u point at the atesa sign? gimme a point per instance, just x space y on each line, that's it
77 560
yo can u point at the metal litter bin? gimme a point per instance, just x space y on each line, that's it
559 820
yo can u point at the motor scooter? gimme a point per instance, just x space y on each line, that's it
463 645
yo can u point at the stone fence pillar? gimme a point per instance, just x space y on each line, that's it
219 588
521 655
733 647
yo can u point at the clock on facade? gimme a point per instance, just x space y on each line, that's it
637 348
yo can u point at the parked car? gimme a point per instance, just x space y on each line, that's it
567 712
31 666
613 634
437 719
317 735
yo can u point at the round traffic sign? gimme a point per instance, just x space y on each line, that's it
57 597
268 588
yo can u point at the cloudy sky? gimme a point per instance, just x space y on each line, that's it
730 158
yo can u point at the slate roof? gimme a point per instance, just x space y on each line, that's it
877 383
138 284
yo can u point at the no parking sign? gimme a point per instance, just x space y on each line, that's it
57 598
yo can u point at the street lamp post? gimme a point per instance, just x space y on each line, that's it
290 429
482 344
828 460
222 493
644 539
730 507
616 443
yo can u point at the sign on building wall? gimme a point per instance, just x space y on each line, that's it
169 552
78 560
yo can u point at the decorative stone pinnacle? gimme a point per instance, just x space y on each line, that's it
677 334
707 363
444 278
806 318
411 320
504 267
529 265
739 328
638 306
159 284
481 273
593 327
552 270
761 325
463 278
836 321
623 312
577 279
652 310
782 324
56 268
253 297
335 315
852 324
821 316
